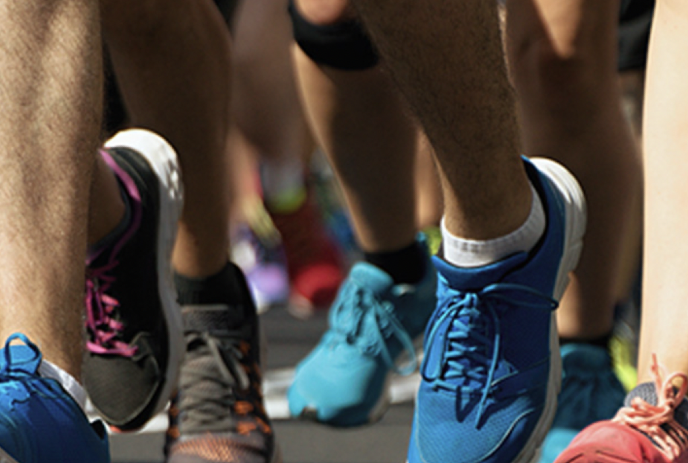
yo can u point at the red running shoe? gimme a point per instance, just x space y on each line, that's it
314 261
652 427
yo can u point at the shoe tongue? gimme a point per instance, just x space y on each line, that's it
22 359
371 277
213 317
474 278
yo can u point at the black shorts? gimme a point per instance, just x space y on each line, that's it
227 7
635 20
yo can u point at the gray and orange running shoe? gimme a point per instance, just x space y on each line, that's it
133 323
218 415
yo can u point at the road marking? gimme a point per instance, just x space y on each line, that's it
403 389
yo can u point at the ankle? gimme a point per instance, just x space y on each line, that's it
406 265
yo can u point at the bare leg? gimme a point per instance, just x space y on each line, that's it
50 123
265 104
362 143
467 111
562 57
158 60
664 291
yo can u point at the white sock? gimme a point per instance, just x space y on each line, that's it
477 253
68 382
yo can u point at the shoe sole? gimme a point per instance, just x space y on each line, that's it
162 159
564 182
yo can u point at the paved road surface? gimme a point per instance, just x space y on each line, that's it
301 442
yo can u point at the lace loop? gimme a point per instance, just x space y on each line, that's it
462 332
209 394
658 421
349 322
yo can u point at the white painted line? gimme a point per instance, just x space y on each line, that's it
403 389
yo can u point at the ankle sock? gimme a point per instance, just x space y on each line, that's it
51 371
405 266
109 239
224 287
463 252
602 341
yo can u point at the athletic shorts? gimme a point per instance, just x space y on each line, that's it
635 20
227 7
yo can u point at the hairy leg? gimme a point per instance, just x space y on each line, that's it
49 127
447 59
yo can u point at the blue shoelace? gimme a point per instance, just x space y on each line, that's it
471 347
349 325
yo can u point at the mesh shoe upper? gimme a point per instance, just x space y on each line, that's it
132 319
219 414
490 375
39 421
343 380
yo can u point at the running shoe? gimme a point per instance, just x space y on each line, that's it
652 427
134 333
491 370
219 415
344 380
590 392
39 421
314 261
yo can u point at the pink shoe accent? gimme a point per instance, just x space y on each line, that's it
100 306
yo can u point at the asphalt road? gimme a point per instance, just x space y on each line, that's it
289 340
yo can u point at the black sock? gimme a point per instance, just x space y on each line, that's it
228 286
602 341
405 266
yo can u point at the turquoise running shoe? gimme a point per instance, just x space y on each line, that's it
344 380
39 421
590 392
491 371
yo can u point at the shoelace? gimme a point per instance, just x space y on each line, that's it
208 395
657 422
100 309
349 323
472 316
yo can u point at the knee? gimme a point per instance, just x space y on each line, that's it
562 55
330 34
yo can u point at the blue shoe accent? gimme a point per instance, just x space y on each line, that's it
343 381
39 421
491 370
590 392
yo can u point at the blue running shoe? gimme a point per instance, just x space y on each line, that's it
344 380
39 421
590 392
491 371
